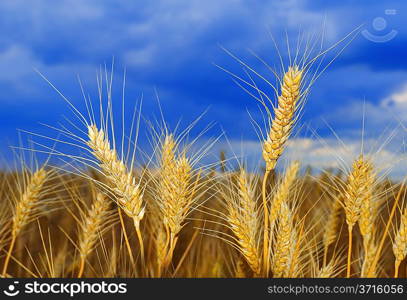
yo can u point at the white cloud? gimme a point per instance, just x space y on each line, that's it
332 153
321 154
398 99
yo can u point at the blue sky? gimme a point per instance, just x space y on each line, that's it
172 46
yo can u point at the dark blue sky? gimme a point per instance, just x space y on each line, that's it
172 46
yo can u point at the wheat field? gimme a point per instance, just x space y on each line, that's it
117 211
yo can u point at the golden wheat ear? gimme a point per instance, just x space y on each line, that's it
96 221
357 190
26 208
123 184
243 219
176 188
284 117
333 268
282 246
326 271
368 209
282 193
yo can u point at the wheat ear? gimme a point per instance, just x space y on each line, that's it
282 246
281 196
280 130
356 192
25 208
400 243
244 222
123 183
326 271
91 226
368 210
284 117
283 190
175 191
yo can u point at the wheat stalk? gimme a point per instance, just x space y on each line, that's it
123 183
280 130
91 226
25 208
400 243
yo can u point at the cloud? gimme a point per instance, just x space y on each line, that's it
388 111
321 154
398 99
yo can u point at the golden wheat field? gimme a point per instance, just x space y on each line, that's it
116 211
